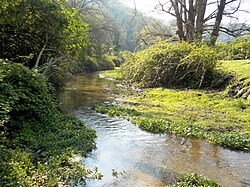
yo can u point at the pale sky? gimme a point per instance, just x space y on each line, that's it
147 7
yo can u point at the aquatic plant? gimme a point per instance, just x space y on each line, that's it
155 124
194 180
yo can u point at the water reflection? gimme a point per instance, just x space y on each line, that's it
141 158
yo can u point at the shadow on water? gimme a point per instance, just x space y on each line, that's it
139 158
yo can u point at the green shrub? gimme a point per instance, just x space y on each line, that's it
25 96
166 64
37 141
98 63
240 49
223 52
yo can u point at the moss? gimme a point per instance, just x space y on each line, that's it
112 74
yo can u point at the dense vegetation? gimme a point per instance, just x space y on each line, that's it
61 46
37 140
237 50
170 64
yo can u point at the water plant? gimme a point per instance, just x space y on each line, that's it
194 180
232 140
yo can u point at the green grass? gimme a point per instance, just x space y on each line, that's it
239 68
204 114
240 86
210 110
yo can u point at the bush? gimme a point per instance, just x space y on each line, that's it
25 96
223 52
240 49
37 141
166 64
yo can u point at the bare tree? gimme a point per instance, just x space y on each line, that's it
193 17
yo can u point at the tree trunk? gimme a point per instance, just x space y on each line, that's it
217 23
191 20
179 20
201 9
39 56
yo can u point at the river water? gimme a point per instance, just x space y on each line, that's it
128 156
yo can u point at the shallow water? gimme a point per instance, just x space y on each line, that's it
141 158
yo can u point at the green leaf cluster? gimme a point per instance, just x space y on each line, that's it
29 25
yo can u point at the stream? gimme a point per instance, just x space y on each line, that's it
128 156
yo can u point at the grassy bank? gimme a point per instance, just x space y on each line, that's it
240 85
210 115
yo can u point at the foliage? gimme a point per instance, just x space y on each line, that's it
44 34
22 34
25 96
223 51
195 180
166 64
37 141
126 26
18 169
237 50
98 62
240 49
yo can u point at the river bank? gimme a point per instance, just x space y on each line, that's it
129 156
204 114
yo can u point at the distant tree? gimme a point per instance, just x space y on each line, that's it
193 17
